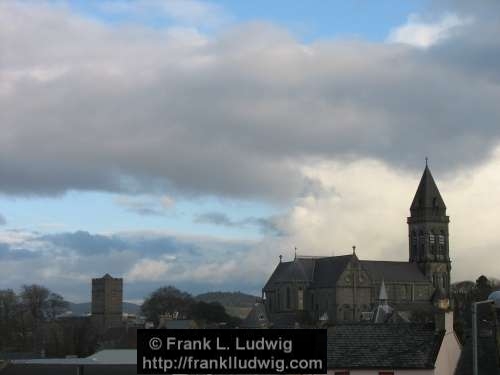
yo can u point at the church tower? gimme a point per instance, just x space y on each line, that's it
428 233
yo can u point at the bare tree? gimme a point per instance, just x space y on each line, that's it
8 318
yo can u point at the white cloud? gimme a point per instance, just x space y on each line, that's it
149 270
369 204
418 33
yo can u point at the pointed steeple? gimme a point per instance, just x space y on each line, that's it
427 198
383 311
382 296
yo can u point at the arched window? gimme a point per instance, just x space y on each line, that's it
421 243
300 299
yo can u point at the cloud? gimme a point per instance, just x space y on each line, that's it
2 220
419 33
85 243
145 205
66 262
148 270
267 226
234 114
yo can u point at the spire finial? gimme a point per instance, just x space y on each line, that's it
353 250
281 258
426 160
295 253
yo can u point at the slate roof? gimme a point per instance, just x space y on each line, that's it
393 271
257 317
383 346
300 269
324 272
328 270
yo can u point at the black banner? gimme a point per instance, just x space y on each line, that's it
231 351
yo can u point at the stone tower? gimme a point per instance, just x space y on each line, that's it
428 233
107 298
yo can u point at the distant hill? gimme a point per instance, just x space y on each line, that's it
84 308
236 303
234 299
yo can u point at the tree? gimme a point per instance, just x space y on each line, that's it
166 300
212 312
55 305
8 318
34 301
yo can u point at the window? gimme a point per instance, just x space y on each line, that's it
432 239
441 239
288 304
300 299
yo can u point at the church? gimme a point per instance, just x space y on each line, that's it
346 288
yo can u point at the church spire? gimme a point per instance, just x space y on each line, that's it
428 233
427 199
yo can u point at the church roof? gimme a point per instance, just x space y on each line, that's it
427 195
328 270
324 272
393 271
300 269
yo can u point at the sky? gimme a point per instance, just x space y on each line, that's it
190 143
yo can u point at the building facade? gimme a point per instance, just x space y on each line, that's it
345 288
107 301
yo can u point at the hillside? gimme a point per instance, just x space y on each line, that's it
236 303
235 299
84 308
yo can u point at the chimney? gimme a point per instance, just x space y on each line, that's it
443 321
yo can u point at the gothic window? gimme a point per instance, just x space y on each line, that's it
300 299
421 243
432 238
441 239
288 304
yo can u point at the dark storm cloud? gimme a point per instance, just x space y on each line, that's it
92 107
87 244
